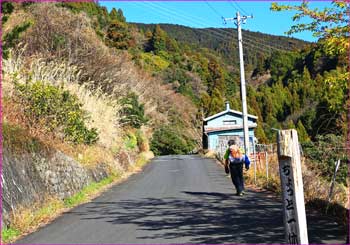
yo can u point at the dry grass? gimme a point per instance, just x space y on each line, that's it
91 155
25 220
17 136
270 182
315 187
21 16
102 109
19 141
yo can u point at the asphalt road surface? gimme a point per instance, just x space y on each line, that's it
179 199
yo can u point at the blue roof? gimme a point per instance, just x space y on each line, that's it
229 111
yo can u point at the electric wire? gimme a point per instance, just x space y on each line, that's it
241 9
215 11
162 11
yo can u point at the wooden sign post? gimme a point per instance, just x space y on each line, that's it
292 187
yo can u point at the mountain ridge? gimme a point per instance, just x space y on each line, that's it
224 40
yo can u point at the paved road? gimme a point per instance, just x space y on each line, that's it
179 199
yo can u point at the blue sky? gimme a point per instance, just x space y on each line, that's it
202 14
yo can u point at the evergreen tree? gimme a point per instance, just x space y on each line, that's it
205 103
133 112
260 65
302 134
215 79
216 102
114 14
260 134
290 125
6 9
118 35
121 16
158 41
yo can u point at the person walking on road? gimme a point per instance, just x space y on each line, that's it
234 159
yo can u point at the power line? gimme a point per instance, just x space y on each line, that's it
233 6
241 9
212 8
222 35
163 12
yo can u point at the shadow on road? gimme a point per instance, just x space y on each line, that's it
208 217
199 217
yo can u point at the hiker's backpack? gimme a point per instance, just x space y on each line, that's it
235 156
236 153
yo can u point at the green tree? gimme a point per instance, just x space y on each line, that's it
117 15
121 16
216 78
205 103
158 40
290 125
281 65
6 9
166 140
113 14
302 134
118 35
331 25
260 134
260 65
133 113
171 45
216 102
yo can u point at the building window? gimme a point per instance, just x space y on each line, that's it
230 122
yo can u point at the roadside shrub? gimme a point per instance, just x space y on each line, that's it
18 139
133 113
152 62
324 152
130 141
11 39
57 109
7 234
142 142
167 141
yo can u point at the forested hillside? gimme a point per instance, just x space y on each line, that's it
224 41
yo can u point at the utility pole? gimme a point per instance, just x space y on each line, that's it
238 21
